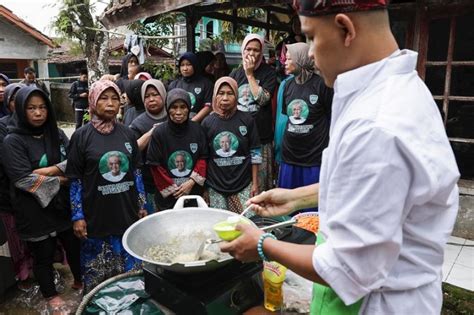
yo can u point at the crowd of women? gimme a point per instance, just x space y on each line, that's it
208 133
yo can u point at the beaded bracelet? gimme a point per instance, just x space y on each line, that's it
260 245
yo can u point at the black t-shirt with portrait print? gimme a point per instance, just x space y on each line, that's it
199 88
230 141
141 125
308 107
167 148
265 76
106 164
21 155
177 152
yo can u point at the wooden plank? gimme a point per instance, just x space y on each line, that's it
114 18
278 9
463 140
239 20
462 98
447 81
455 98
224 6
453 63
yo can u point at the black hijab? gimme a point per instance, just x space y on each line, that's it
10 91
193 59
133 88
173 96
124 68
19 122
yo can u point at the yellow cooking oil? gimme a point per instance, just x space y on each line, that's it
273 277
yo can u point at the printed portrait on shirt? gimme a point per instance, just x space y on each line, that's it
180 163
246 101
297 111
113 166
225 144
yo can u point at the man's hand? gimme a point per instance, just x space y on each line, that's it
80 229
273 203
244 247
184 189
142 213
84 95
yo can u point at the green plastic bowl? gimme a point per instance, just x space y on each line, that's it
226 230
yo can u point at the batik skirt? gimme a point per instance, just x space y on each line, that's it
103 258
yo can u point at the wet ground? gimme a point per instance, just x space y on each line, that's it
31 302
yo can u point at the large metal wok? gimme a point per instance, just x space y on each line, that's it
185 228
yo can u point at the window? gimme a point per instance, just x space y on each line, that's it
9 69
450 77
180 43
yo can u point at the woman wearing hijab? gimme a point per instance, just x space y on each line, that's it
7 274
4 81
306 101
130 67
257 82
154 96
234 150
135 106
198 86
35 158
18 250
177 152
107 193
221 68
206 61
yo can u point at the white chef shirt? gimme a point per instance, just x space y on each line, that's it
388 194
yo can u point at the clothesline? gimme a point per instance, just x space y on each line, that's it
142 36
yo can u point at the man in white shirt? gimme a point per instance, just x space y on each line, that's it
388 196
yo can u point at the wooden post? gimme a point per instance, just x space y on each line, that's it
191 21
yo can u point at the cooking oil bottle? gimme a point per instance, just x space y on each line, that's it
273 277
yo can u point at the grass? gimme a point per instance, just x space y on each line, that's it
457 300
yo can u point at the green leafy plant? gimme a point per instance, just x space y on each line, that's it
163 71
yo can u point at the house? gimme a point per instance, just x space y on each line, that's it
64 62
21 45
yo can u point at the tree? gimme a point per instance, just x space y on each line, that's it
74 21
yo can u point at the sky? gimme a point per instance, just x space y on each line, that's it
40 13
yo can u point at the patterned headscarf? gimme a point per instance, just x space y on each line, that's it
97 88
216 99
157 84
304 64
249 38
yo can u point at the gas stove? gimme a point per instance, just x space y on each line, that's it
231 289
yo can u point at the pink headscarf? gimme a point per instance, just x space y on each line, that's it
249 38
215 100
143 74
96 89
